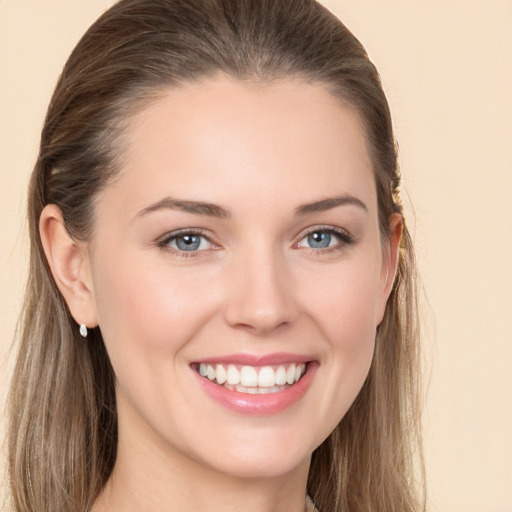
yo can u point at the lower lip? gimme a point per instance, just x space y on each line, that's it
259 405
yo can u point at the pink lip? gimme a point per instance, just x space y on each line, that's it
259 405
258 360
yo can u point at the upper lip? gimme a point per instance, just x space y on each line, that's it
257 359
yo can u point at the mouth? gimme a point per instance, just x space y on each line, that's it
253 380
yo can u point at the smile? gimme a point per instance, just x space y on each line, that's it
256 384
253 379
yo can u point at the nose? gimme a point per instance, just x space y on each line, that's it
261 294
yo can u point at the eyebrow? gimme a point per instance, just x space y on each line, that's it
214 210
330 203
196 207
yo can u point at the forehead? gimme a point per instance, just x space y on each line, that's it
222 137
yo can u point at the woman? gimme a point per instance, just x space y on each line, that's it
220 313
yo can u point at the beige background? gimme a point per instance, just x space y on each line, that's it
446 66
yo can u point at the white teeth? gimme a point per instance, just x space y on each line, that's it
233 375
266 377
221 374
253 391
290 374
253 380
281 376
248 376
299 371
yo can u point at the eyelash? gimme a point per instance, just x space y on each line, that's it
163 242
345 239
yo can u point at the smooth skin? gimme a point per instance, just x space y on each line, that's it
270 267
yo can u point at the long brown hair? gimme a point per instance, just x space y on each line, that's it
63 425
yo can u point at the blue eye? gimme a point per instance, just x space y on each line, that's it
319 239
325 239
186 242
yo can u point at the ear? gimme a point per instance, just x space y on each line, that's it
70 266
390 261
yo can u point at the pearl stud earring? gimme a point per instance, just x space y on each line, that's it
83 331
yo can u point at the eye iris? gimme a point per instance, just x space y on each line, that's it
188 242
319 239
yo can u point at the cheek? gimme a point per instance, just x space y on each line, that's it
145 309
345 303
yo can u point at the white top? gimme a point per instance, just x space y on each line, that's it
310 506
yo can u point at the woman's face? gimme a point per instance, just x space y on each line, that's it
238 274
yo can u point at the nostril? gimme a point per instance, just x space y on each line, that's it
261 323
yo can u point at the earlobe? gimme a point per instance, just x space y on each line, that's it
70 266
391 260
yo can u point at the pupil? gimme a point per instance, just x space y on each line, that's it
188 242
319 239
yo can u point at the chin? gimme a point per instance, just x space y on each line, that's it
261 466
260 454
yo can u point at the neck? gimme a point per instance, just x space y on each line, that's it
148 476
136 489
